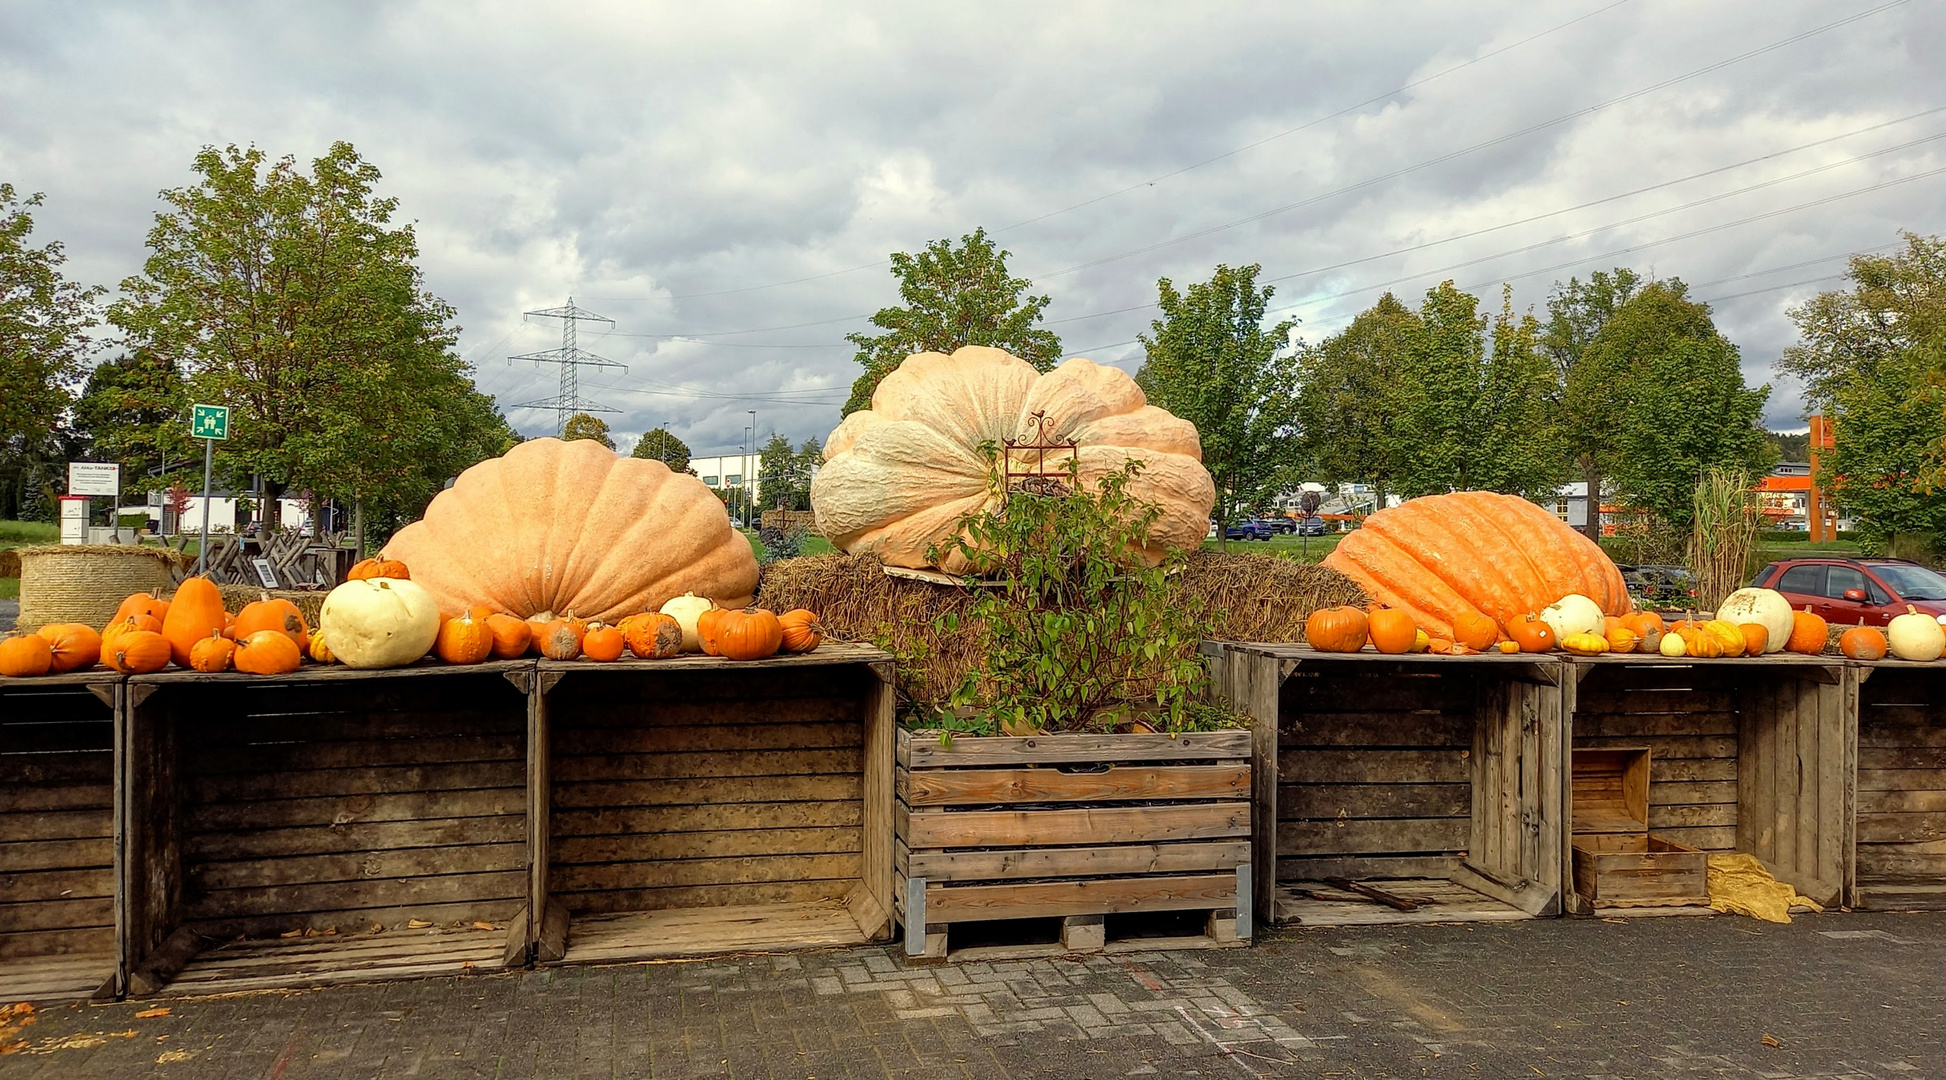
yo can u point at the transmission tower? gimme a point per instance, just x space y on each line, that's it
572 359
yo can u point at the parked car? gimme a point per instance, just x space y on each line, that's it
1280 524
1850 591
1659 585
1248 530
1311 526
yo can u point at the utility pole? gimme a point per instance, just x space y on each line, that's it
572 359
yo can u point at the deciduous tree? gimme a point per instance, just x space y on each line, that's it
135 410
1348 399
784 474
1585 405
44 319
660 445
584 426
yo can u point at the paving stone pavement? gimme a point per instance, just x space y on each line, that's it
1841 997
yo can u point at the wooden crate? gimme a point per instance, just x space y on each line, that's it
327 826
57 837
1075 828
698 805
1412 788
1750 754
1901 838
1618 862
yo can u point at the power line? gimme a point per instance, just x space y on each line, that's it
572 359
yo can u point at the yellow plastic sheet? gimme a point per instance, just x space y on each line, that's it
1740 885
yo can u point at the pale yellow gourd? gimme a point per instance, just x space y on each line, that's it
1585 644
379 622
1916 636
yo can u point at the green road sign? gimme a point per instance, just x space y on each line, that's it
210 421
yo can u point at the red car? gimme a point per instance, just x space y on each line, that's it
1848 591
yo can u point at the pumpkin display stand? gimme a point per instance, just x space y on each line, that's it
329 825
1901 839
57 837
1402 788
1747 754
1095 842
698 805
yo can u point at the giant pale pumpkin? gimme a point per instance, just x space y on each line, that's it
574 527
899 477
1443 556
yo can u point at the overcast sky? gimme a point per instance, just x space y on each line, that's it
700 171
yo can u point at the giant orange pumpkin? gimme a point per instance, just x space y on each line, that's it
196 611
572 526
1472 552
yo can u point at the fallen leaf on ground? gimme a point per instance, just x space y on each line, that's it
170 1057
416 924
484 926
148 1014
1772 1040
291 934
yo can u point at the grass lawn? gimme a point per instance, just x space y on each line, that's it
813 545
1303 549
23 534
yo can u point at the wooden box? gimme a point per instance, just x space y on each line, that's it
331 825
1901 838
699 805
1617 861
1749 754
1074 829
57 837
1413 788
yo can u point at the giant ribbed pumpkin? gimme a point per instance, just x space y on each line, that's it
573 527
1442 556
898 477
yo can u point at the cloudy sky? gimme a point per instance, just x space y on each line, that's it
725 181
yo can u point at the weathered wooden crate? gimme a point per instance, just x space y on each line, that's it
57 837
1618 862
1901 809
1749 754
698 805
1413 788
1073 830
325 826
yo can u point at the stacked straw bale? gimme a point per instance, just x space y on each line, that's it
84 583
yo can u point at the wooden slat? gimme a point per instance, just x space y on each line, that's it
972 787
1374 867
56 855
1375 766
705 896
57 914
283 757
685 792
709 817
1193 746
17 798
1452 730
571 849
353 896
766 763
1331 801
1405 836
939 866
1052 828
566 878
343 810
686 719
354 836
968 903
62 884
375 781
712 736
711 930
358 866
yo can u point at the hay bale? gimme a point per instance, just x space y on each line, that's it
1261 597
9 562
85 583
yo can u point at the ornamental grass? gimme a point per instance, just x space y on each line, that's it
1723 535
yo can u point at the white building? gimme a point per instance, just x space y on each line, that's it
727 471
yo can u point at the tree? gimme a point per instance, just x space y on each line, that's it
288 296
784 475
583 426
135 410
1584 405
44 319
953 297
1212 363
1871 357
1348 399
660 445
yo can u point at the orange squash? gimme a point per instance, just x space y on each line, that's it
1640 623
1530 633
1700 643
1391 630
558 640
652 635
318 651
137 652
751 634
802 630
271 614
1863 643
142 604
706 629
378 566
212 655
267 652
1475 631
1809 633
1756 638
75 645
25 656
196 611
1621 638
603 642
137 621
1337 629
510 636
463 640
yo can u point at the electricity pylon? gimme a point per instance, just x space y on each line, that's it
572 359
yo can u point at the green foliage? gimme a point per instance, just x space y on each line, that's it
1789 445
1080 637
1871 357
953 297
135 410
784 474
1346 403
1584 405
44 319
583 426
288 296
1212 363
660 445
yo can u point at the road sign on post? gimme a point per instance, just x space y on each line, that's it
208 423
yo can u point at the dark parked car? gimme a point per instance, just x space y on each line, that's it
1848 591
1248 530
1311 526
1659 585
1280 524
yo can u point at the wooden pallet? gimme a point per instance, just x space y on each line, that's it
1076 828
295 963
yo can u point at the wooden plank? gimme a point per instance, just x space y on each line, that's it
354 836
872 910
938 866
1406 836
707 765
1309 690
353 896
970 903
1666 817
1375 766
841 787
1632 725
1053 828
650 847
1706 838
682 719
1529 896
379 716
707 931
831 654
449 916
358 866
971 787
1900 801
727 817
747 893
1000 750
63 884
373 781
56 855
291 756
59 825
568 878
1667 747
1331 801
57 914
340 810
713 735
18 798
1403 730
1375 867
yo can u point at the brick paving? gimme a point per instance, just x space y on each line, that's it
1837 996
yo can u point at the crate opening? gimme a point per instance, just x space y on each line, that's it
1006 933
1148 925
1901 794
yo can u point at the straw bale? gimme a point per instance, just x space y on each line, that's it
85 582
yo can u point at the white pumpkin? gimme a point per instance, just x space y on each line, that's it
1673 646
379 622
1572 614
686 609
1765 607
1915 636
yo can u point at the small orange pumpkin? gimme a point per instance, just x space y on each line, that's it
142 604
1475 631
706 629
1337 629
1700 643
603 642
463 640
267 652
1531 634
137 652
1640 623
510 636
1621 638
558 640
193 614
377 566
1809 633
802 630
652 635
751 634
137 621
270 614
75 645
1756 638
1863 643
1391 631
25 656
212 655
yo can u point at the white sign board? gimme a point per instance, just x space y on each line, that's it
74 521
265 573
94 478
